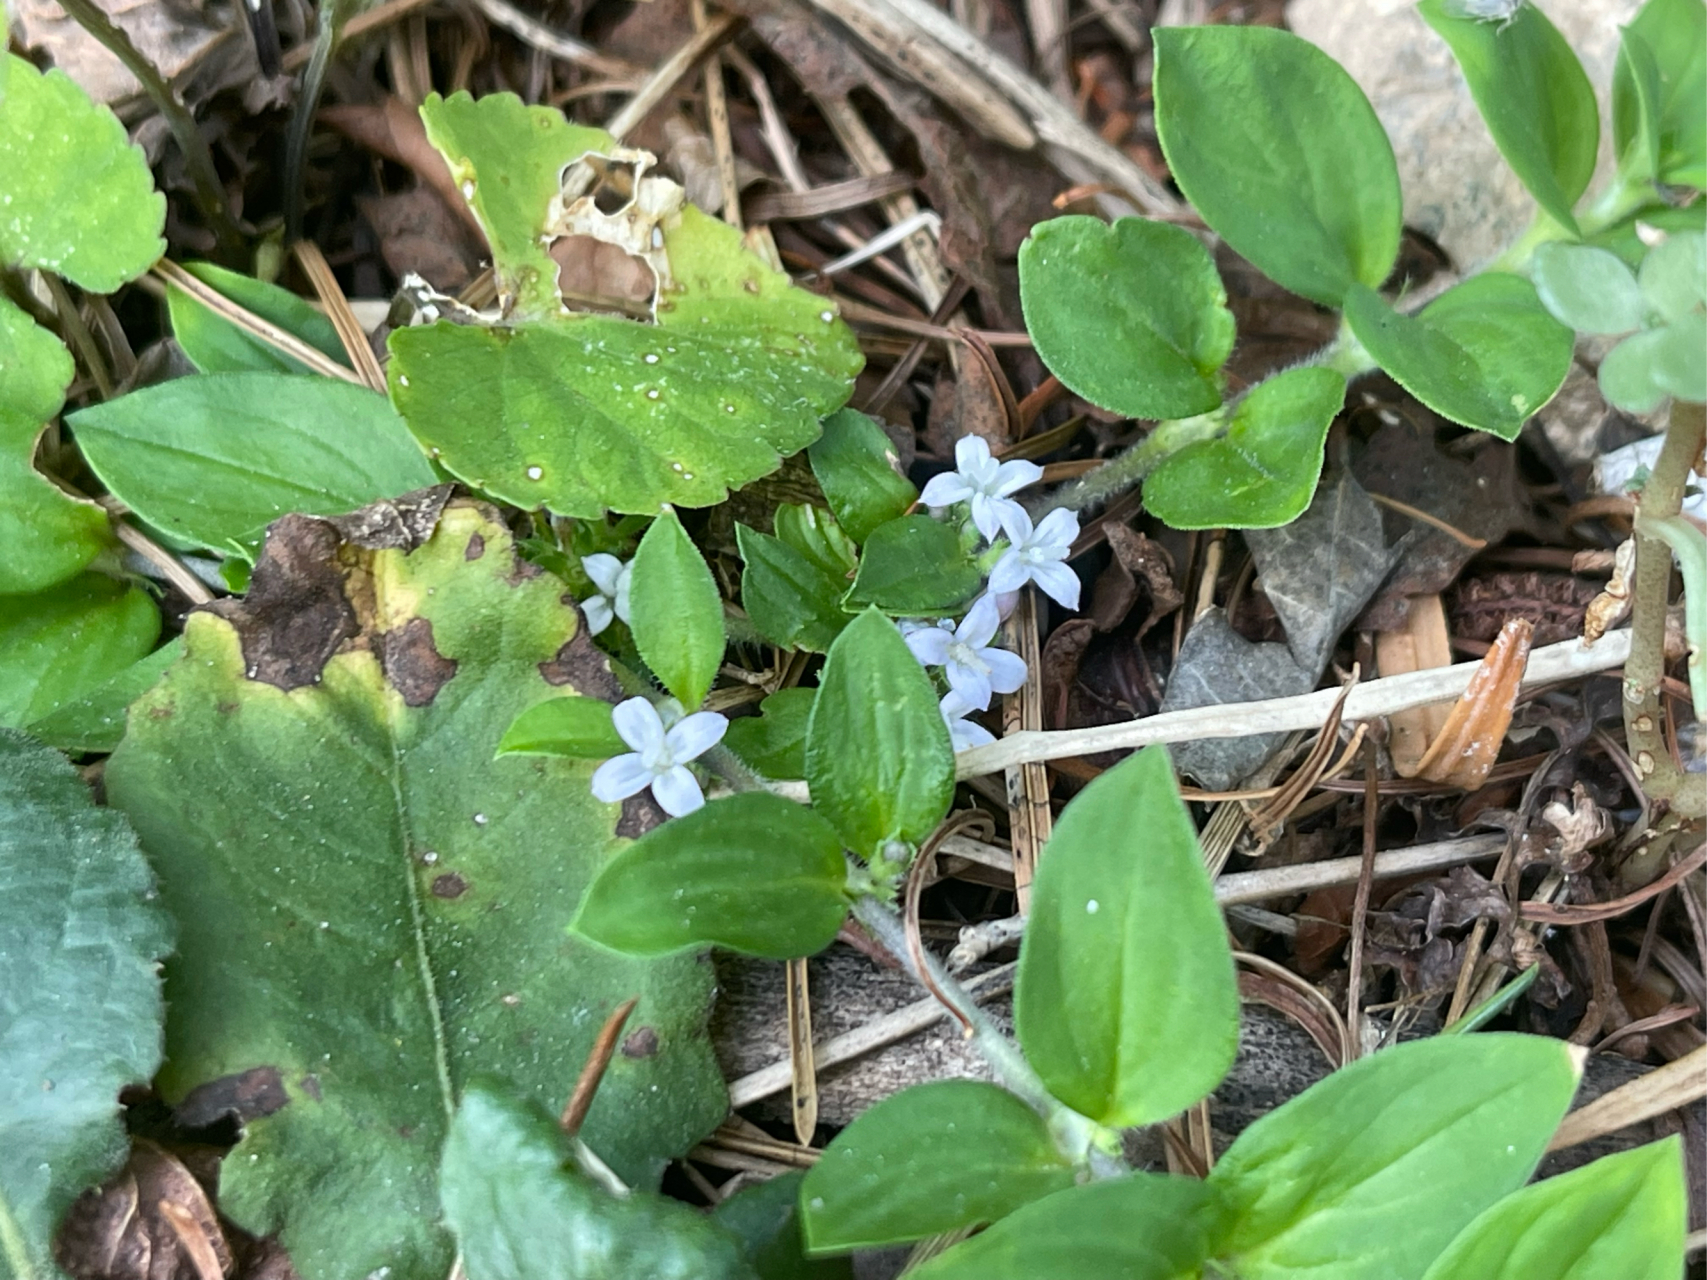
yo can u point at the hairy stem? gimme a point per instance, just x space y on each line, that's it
1127 470
1661 497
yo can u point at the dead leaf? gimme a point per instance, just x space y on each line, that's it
1464 751
394 130
1421 644
137 1226
419 235
1554 602
1420 933
172 35
1137 560
1581 824
1612 605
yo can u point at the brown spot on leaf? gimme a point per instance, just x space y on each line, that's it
246 1096
582 666
449 886
396 524
475 549
310 1084
524 571
415 668
296 613
226 708
642 1043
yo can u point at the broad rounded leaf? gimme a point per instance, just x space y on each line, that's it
793 601
1282 155
81 940
1673 130
675 612
751 872
765 1216
1534 97
1587 288
48 535
522 1211
76 197
855 464
929 1160
1624 1215
1626 374
62 643
508 158
1145 1226
1132 317
1369 1174
915 566
214 460
372 909
95 722
576 727
1674 274
587 412
215 345
1680 358
1486 353
878 757
1125 1001
1262 472
774 741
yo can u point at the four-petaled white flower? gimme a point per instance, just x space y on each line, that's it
610 586
658 756
974 669
1038 555
981 480
963 733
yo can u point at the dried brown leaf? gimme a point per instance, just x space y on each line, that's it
1464 751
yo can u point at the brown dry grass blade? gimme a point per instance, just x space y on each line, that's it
1469 742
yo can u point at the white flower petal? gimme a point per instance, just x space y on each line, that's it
1015 523
621 599
620 777
954 705
603 570
930 645
970 683
637 723
1058 582
945 490
1005 602
979 625
963 735
970 453
677 793
1013 476
598 613
694 735
987 515
1058 529
1010 574
1007 670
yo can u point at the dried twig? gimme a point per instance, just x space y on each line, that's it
1677 1084
252 324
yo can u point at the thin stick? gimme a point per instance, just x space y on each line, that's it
533 32
1030 820
593 1070
350 333
361 24
1545 913
1360 903
717 119
663 80
189 586
250 323
82 341
803 1079
1677 1084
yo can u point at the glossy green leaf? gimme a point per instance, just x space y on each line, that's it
521 1210
1262 472
1674 275
675 612
915 566
215 345
1125 1000
1624 237
1534 97
1673 128
95 722
214 460
81 939
878 758
48 535
855 464
1132 317
1486 353
794 602
1145 1226
814 533
931 1159
774 741
372 908
508 160
1282 155
1369 1174
1623 1215
751 872
1589 289
587 411
76 197
575 727
765 1215
61 644
1646 367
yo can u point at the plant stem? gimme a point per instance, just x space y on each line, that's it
1644 669
1128 469
198 159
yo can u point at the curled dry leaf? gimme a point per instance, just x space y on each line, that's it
1468 744
151 1221
1581 825
1612 605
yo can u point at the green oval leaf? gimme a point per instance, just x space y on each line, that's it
60 644
522 1211
1326 1187
855 464
1485 353
1534 97
1664 122
793 601
77 196
1132 317
1282 155
1679 358
915 566
1623 1215
1674 274
774 741
215 345
929 1160
573 727
878 758
765 1216
95 721
1262 472
1145 1226
1125 1000
752 872
80 966
675 612
214 460
1626 376
1587 288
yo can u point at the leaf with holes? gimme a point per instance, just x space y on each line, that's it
373 909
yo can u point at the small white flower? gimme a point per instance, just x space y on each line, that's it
658 756
981 480
610 591
974 669
1038 555
963 733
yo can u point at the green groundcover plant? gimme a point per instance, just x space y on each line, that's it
438 801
